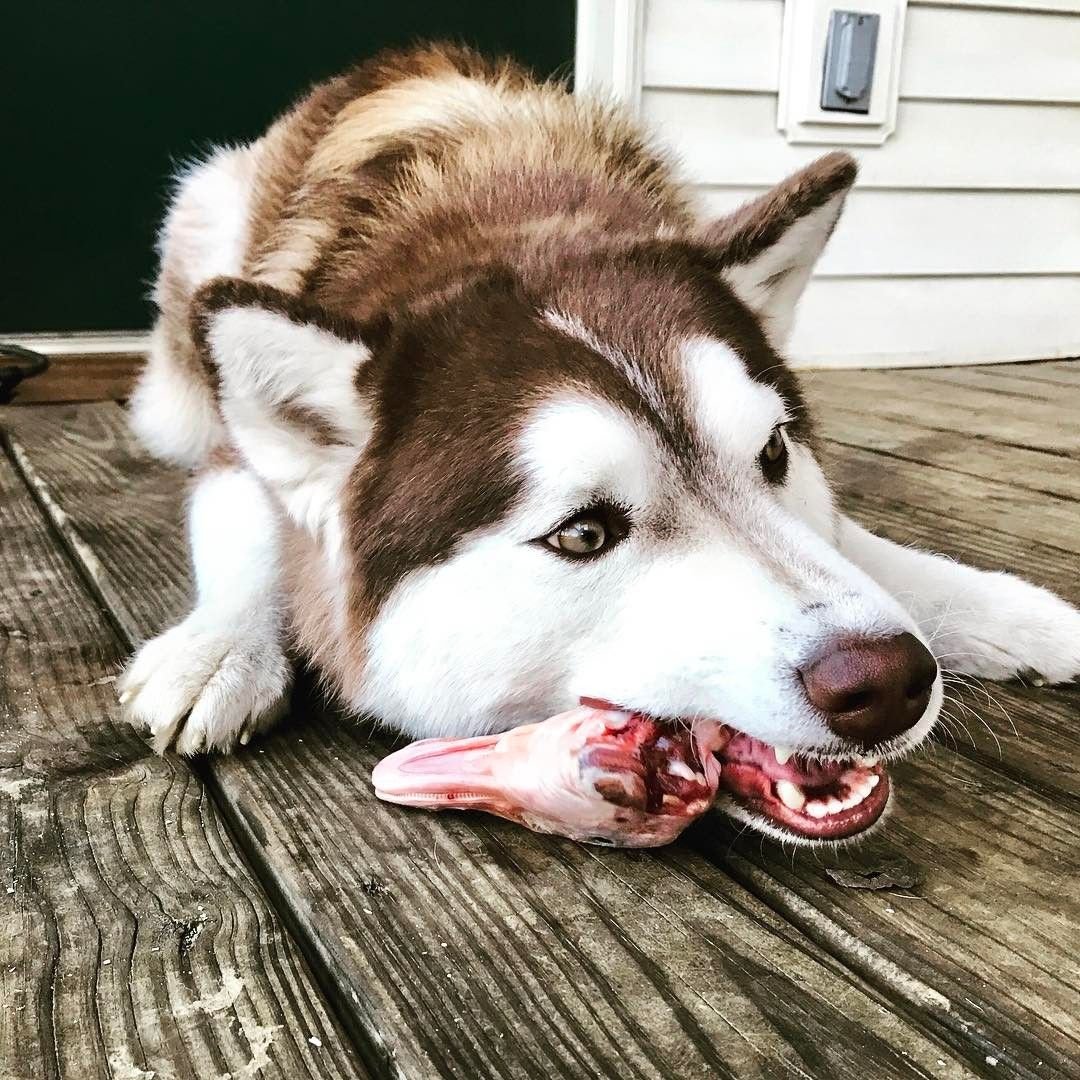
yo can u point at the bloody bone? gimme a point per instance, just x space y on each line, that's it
598 775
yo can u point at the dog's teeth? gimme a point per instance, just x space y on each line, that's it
855 796
873 782
816 809
783 754
682 770
790 794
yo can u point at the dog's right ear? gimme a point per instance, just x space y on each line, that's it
768 248
286 380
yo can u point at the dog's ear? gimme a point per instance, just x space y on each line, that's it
768 247
286 381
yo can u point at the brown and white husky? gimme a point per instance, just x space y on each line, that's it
485 419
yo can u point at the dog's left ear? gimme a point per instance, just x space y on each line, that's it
286 376
768 247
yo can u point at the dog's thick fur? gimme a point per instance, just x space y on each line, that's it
437 309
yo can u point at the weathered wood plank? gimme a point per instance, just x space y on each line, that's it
470 948
964 503
133 940
989 417
1017 380
984 941
1064 370
1035 470
89 377
1043 375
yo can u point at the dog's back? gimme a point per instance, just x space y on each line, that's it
386 188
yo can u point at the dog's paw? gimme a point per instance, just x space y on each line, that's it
207 683
1008 627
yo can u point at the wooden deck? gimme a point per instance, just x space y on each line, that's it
264 916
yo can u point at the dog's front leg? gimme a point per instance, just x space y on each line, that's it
221 674
994 625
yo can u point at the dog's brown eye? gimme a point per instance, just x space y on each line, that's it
589 532
773 456
583 536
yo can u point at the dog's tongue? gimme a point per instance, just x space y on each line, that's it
594 774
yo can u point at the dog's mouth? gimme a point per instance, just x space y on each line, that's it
800 796
811 799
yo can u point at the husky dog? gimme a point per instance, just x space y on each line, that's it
484 419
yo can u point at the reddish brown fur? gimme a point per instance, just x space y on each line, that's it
434 205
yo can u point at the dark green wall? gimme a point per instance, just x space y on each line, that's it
101 101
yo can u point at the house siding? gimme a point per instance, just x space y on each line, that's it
961 241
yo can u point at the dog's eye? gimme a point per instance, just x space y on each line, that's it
588 532
773 456
585 536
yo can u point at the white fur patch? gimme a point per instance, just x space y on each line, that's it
772 283
267 357
205 232
233 531
806 494
172 412
734 412
269 363
976 622
220 675
576 448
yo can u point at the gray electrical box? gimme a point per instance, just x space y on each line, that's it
850 52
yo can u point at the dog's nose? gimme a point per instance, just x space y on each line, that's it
872 689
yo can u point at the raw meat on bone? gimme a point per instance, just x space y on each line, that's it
597 775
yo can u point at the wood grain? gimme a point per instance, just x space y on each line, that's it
133 940
988 416
91 377
984 944
1017 466
467 947
1016 380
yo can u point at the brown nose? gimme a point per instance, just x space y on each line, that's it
872 689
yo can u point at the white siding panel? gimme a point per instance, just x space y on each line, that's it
942 232
959 53
722 44
966 54
923 321
1029 6
731 139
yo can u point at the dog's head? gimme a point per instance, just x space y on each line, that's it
589 474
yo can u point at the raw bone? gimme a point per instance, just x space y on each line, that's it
596 775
